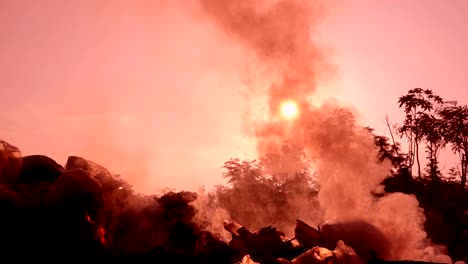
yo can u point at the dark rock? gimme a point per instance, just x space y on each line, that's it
108 181
265 245
39 168
8 198
307 235
362 236
75 193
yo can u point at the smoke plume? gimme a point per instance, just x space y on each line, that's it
278 32
280 36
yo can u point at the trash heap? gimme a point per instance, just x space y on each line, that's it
82 212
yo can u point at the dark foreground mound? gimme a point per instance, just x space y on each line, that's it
82 212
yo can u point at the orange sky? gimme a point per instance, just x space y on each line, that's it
152 91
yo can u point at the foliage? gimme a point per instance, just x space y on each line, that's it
388 151
456 133
428 119
432 128
417 104
258 196
260 191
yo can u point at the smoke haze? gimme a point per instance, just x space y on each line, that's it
116 82
279 34
105 102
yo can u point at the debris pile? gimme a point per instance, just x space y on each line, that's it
83 212
268 245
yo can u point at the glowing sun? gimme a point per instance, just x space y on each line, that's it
289 109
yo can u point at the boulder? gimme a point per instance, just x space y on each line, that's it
39 168
75 194
307 235
365 238
98 172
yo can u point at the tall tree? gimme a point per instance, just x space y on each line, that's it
433 130
416 103
456 124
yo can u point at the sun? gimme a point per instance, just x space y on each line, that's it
289 109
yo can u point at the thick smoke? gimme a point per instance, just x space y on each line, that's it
278 33
211 217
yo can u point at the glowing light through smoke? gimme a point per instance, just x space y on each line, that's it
289 109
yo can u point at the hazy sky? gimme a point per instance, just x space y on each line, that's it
151 90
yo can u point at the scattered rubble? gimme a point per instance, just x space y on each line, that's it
83 212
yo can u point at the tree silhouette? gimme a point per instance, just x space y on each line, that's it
456 133
259 192
389 151
433 130
416 103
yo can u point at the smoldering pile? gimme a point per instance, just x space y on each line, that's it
83 212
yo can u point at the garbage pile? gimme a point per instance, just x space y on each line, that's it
81 212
